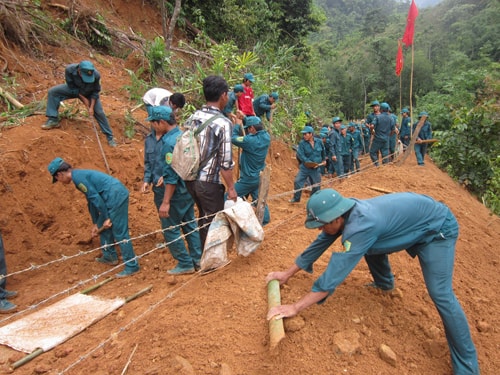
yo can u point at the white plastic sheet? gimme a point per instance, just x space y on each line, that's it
53 325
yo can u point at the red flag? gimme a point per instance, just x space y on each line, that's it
399 59
410 24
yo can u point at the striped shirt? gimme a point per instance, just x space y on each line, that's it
214 140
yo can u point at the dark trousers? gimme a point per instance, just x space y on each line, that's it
209 198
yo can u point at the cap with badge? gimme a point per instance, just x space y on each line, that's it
87 71
54 166
160 112
307 129
374 103
324 206
275 96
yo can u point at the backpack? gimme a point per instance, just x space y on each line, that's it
186 158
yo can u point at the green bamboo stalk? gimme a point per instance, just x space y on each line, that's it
276 328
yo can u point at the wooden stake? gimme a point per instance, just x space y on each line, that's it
414 137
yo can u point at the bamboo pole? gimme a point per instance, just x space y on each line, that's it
96 286
276 328
138 294
35 353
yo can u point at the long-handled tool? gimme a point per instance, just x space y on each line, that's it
100 146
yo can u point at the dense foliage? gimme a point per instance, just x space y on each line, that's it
349 60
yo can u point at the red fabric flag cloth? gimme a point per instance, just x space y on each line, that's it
399 59
410 24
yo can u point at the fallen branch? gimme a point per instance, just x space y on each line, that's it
11 99
432 140
129 360
380 190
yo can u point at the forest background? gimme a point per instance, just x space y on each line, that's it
325 58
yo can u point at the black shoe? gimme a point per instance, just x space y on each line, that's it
9 294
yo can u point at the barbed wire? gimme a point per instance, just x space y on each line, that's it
171 294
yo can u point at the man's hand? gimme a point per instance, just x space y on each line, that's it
282 311
160 182
164 209
231 194
106 225
85 101
94 231
281 276
145 187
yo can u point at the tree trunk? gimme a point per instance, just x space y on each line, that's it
173 21
163 20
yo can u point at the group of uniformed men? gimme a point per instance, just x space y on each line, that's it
337 147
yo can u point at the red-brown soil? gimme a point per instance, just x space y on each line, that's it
215 324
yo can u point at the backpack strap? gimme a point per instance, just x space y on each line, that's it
206 123
198 131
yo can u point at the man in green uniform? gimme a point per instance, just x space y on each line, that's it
372 229
265 104
107 201
173 201
255 145
83 81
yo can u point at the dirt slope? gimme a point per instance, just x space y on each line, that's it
216 324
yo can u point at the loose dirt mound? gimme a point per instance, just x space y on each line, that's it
215 324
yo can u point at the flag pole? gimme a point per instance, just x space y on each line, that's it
411 88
